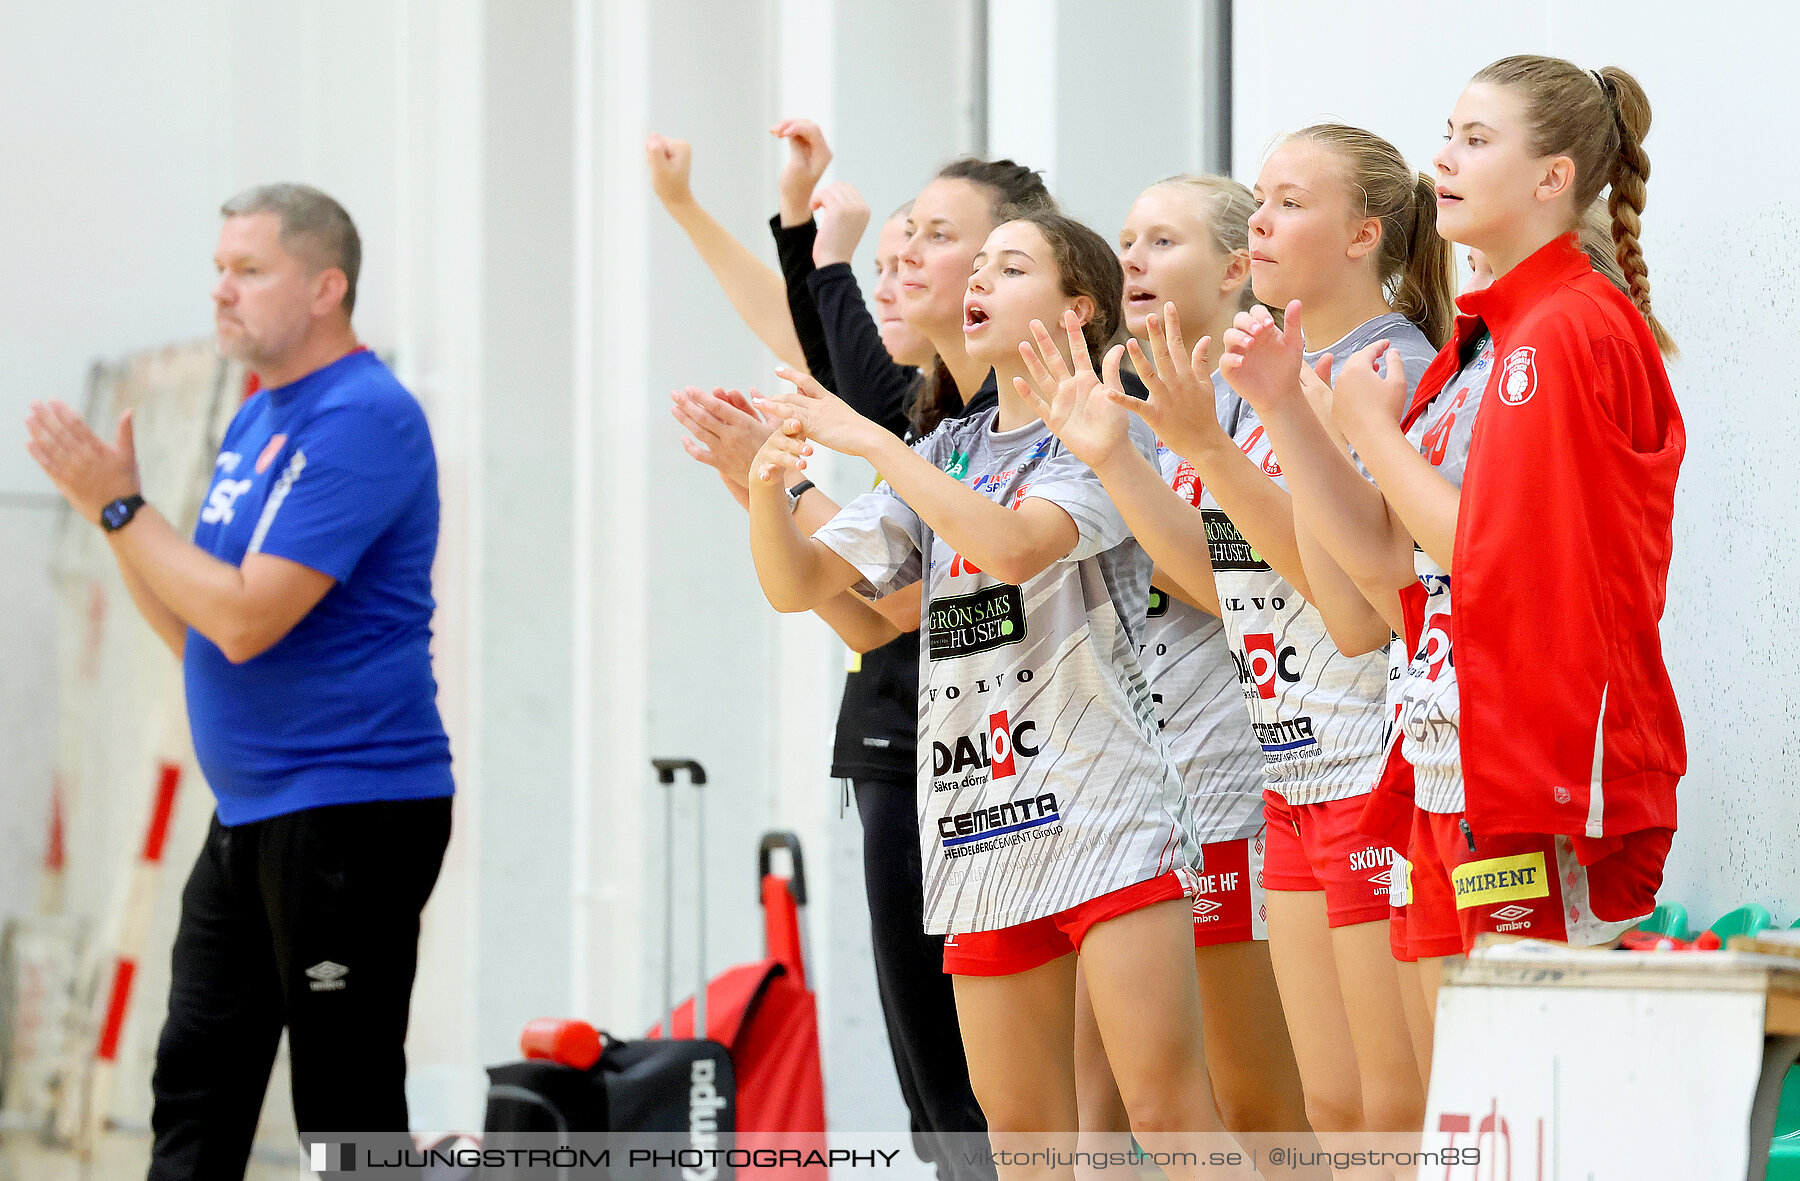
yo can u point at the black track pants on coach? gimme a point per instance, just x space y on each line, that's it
918 1000
308 921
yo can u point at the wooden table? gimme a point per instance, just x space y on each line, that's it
1609 1064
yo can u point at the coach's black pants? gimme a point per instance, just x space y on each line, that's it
308 921
917 998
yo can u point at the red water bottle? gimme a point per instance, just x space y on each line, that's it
1652 941
561 1039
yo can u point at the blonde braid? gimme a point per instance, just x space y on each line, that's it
1625 202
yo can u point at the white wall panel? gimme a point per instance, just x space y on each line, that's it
1104 99
523 569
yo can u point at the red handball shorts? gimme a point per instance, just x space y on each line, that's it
1029 945
1229 906
1318 847
1531 884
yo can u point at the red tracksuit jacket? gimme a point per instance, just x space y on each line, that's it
1568 721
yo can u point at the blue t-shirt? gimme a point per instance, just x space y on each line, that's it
336 472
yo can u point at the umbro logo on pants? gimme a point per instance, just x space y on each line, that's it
326 976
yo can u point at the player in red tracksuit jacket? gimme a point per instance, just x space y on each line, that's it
1532 476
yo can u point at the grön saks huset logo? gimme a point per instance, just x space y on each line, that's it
963 625
1226 546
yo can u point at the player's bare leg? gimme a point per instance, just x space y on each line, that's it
1018 1035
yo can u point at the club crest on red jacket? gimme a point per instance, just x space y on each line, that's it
1521 377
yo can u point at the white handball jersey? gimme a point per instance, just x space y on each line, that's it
1194 684
1043 780
1430 707
1319 715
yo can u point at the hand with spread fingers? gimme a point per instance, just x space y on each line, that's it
89 472
827 419
1181 408
1080 408
726 430
784 450
1365 401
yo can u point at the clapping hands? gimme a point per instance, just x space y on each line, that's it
726 432
825 418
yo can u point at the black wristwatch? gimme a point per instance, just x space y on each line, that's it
118 514
796 492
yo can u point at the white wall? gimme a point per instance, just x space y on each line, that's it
83 277
1104 99
27 697
1720 236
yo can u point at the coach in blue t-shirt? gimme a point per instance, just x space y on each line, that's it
301 611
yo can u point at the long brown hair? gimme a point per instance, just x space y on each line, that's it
1598 120
1415 263
1013 189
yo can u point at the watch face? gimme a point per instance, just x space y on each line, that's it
118 514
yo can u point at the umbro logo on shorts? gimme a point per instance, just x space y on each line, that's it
326 976
1510 918
1206 905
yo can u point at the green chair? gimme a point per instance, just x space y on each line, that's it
1669 918
1784 1149
1745 920
1787 1116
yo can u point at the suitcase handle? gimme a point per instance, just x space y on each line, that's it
772 841
667 768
